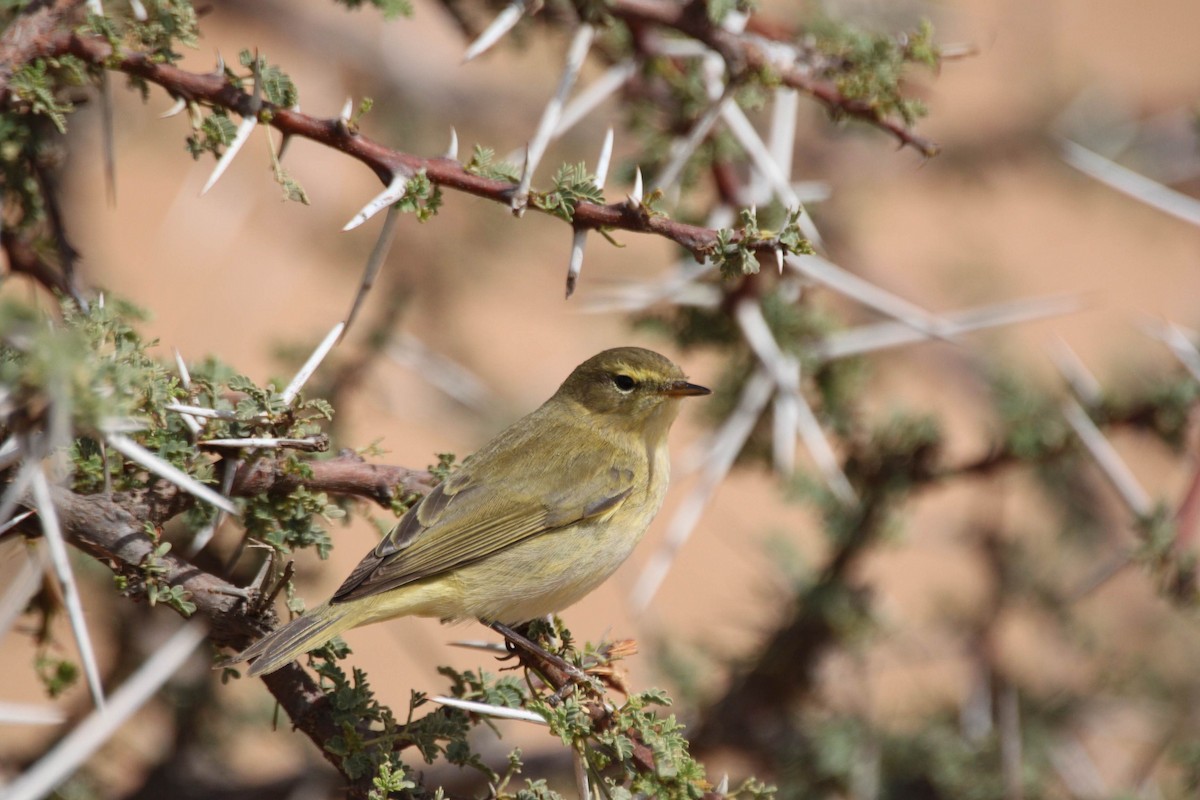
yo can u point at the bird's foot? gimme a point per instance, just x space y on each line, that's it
558 672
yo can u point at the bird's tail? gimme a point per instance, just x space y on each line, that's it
288 642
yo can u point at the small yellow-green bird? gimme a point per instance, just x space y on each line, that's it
529 524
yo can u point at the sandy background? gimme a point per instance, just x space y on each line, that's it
997 216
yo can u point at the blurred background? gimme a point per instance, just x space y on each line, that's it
1102 684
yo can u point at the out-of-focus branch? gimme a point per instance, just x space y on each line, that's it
753 51
24 258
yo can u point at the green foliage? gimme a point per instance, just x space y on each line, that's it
736 251
573 184
157 591
719 9
390 8
277 86
484 165
870 68
38 84
168 23
421 197
211 134
56 674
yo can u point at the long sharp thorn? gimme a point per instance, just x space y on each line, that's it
605 158
310 366
503 712
347 110
1109 460
576 53
885 335
575 265
452 150
61 561
1133 184
596 92
374 262
135 452
243 132
389 196
502 24
683 149
726 443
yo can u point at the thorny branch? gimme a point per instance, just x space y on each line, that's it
47 38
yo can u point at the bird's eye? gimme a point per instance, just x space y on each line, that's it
624 383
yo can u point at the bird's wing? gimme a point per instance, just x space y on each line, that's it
466 518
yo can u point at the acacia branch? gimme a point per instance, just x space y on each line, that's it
345 475
214 90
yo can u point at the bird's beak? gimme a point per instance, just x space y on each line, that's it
684 389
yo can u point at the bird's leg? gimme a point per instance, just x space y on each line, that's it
567 674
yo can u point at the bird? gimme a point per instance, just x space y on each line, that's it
533 521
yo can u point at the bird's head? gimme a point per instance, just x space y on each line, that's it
631 387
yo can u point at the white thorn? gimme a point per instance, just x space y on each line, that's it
61 561
452 150
139 10
1133 184
28 714
177 107
310 366
766 166
243 133
605 158
263 442
487 647
885 335
489 710
169 472
682 149
779 258
205 534
1108 459
201 411
576 53
347 110
785 370
391 194
502 24
635 195
185 379
863 291
1081 380
724 447
575 264
596 93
